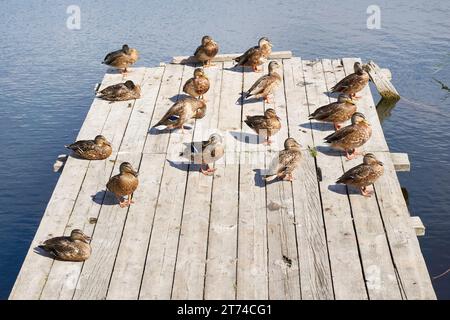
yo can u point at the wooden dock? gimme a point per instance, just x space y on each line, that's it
228 236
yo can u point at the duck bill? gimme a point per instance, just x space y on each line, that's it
350 101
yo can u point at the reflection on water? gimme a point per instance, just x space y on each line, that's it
384 108
47 75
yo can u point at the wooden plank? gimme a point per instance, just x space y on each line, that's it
129 265
348 280
366 105
252 276
381 78
315 273
418 226
404 245
169 93
229 57
191 258
158 275
284 276
379 271
401 161
63 276
35 268
220 278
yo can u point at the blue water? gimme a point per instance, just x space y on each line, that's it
47 74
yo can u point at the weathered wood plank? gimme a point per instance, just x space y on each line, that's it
315 273
220 278
379 271
129 265
417 225
284 276
348 280
403 242
168 94
158 275
381 80
252 277
33 274
190 265
400 161
229 57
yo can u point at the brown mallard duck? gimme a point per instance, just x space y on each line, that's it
122 59
206 51
75 247
97 149
265 85
364 174
353 83
256 56
286 162
183 110
198 85
121 92
336 112
265 125
124 184
350 137
205 152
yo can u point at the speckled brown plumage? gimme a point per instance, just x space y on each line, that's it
265 125
198 85
97 149
75 247
183 110
121 92
353 83
286 162
124 184
206 51
351 137
335 112
364 174
265 85
256 56
122 59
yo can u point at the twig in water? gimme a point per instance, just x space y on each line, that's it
442 274
443 86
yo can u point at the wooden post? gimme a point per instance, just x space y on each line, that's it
381 79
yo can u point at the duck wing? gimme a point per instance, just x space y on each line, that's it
110 57
340 134
82 146
259 86
246 56
345 83
356 175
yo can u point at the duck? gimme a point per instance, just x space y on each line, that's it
198 85
255 56
75 247
183 110
286 162
122 59
206 51
97 149
352 136
205 152
121 92
265 85
265 125
364 174
124 184
353 83
336 112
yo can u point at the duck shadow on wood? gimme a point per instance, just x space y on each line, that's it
43 253
317 126
259 178
179 96
343 189
328 151
105 198
237 68
184 166
244 137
